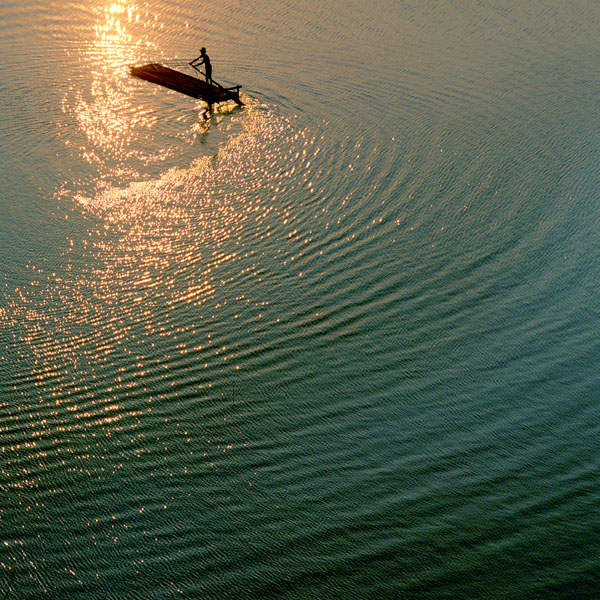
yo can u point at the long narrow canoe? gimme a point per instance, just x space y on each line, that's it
186 84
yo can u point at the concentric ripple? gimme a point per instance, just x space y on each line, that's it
338 343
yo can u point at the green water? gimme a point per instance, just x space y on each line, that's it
341 343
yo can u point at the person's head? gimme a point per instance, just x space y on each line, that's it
202 50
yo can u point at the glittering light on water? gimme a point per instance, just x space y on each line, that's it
126 328
160 263
107 117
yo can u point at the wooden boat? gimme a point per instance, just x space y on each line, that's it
186 84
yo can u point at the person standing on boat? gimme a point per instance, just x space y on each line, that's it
203 60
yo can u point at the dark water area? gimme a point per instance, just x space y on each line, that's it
340 343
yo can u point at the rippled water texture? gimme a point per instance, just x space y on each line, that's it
340 343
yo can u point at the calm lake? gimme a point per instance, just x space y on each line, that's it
342 343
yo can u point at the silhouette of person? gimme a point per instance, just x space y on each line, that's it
203 60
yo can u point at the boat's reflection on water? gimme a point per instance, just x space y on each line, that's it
213 115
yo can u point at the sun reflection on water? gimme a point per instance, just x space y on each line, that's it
113 32
130 323
107 117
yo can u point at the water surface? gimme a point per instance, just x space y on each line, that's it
338 344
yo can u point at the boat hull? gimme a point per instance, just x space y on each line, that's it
186 84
